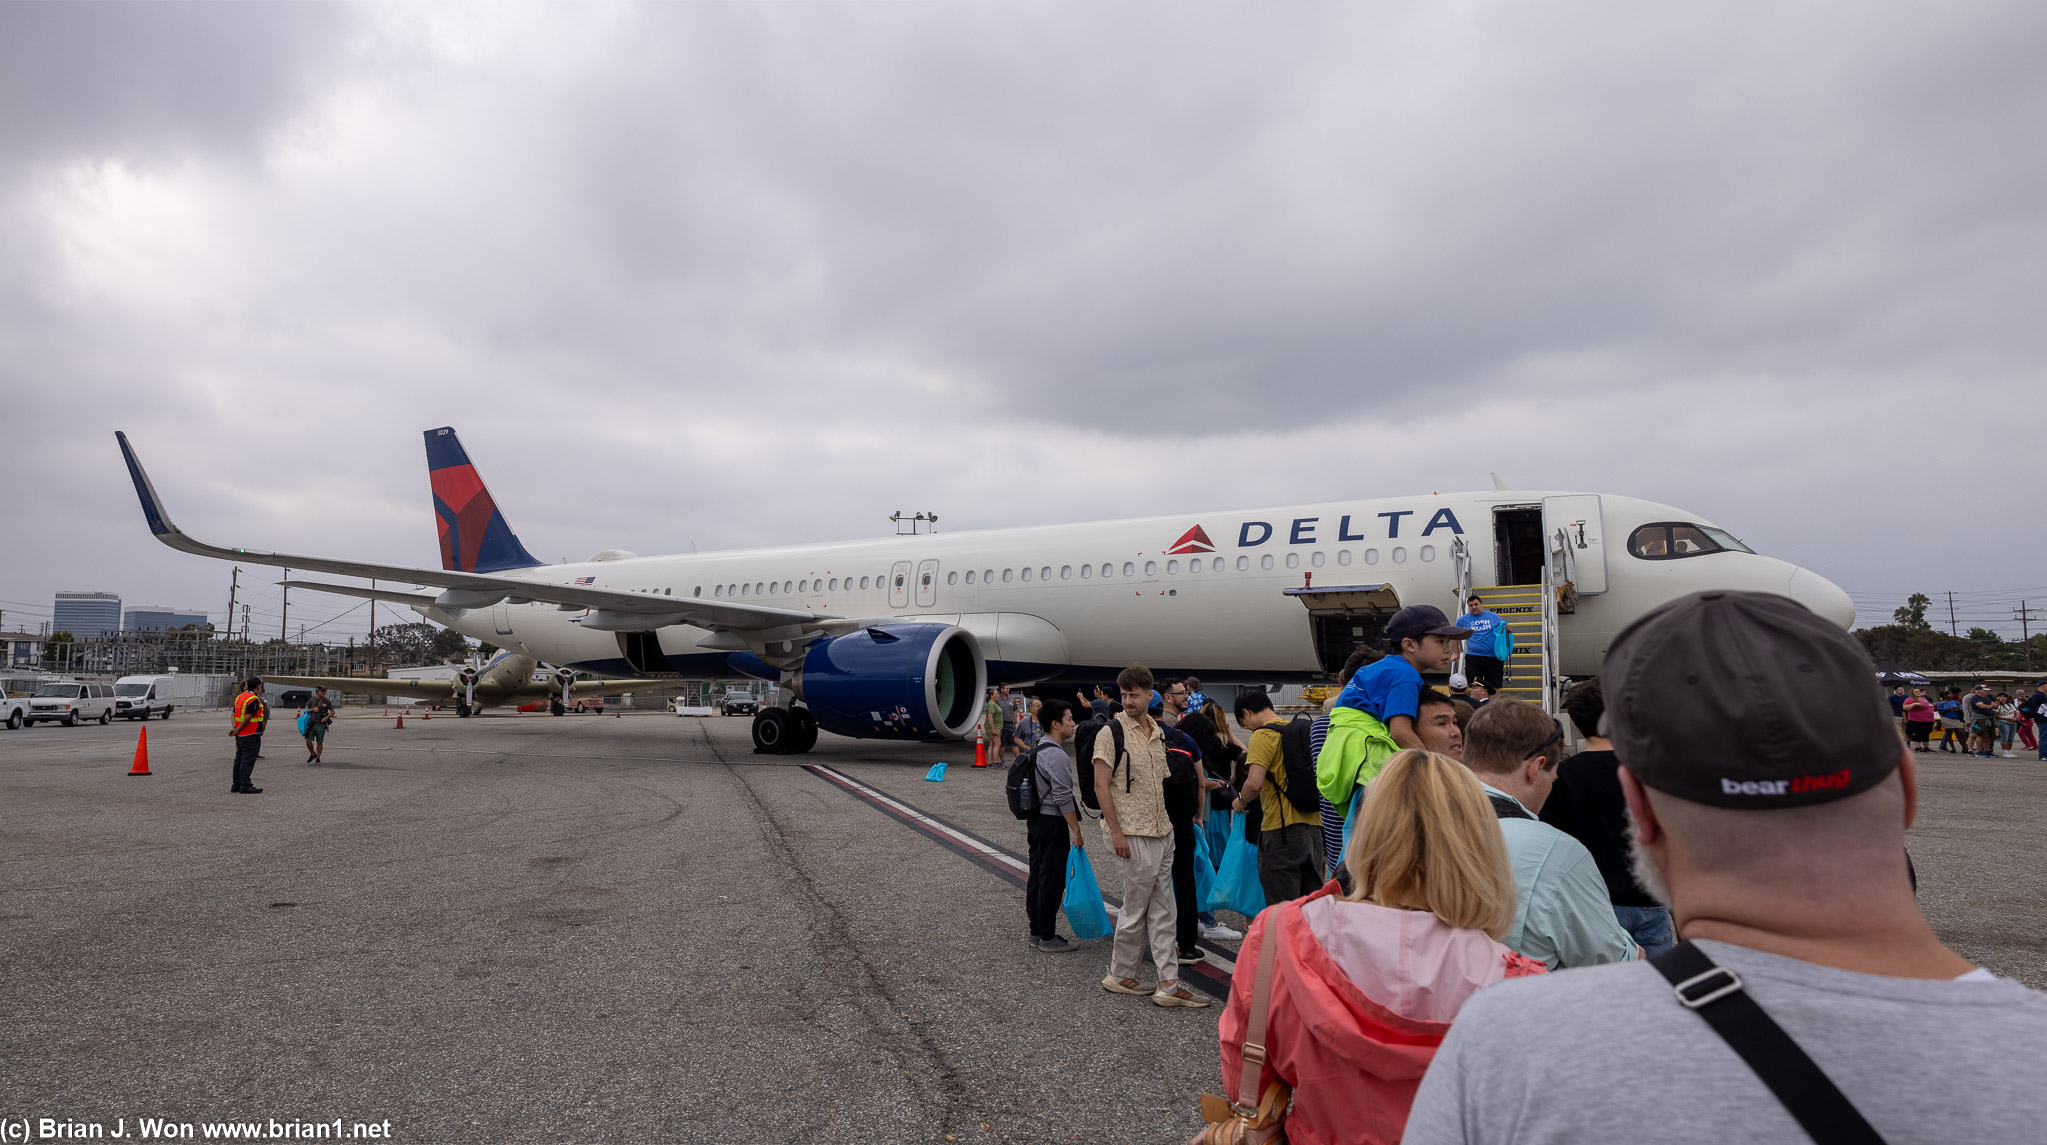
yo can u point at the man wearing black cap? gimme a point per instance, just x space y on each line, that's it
250 713
1770 795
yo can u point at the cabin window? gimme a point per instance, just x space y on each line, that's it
1129 569
1194 566
1045 573
987 576
1428 552
1027 574
1065 572
718 590
1218 564
899 582
1315 559
1371 556
1087 571
1151 568
970 576
1243 563
756 586
1343 556
1265 562
697 591
1293 560
1172 567
863 582
952 578
1674 540
1399 554
1006 574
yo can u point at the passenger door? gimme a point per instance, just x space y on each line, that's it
899 585
927 584
1574 520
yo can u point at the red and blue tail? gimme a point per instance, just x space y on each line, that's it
474 536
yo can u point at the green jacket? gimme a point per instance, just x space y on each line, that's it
1353 751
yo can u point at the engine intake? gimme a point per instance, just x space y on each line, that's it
895 681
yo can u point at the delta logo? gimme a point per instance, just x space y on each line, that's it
1194 540
1799 785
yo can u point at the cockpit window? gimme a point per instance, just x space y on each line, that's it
1671 540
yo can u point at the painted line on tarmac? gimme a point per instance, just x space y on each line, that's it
1211 975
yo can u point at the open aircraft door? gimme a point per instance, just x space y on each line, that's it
1345 618
1576 543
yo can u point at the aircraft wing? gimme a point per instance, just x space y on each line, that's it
421 599
371 686
614 609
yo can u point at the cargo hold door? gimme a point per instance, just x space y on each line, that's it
1572 530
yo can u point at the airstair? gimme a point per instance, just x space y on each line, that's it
1531 611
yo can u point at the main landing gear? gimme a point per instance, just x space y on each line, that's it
784 731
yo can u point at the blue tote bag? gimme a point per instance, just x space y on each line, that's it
1236 882
1084 910
1204 869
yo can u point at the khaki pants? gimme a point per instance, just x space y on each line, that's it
1145 880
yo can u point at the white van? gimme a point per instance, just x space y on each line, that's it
68 701
140 697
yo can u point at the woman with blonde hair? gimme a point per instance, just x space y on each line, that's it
1351 993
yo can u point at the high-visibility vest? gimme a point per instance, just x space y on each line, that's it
250 712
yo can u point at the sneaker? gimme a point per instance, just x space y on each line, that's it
1221 933
1194 955
1056 944
1178 995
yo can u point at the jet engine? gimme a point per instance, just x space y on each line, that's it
893 681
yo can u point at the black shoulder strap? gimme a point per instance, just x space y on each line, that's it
1715 993
1507 807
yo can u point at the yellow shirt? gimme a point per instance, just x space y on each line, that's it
1268 752
1140 811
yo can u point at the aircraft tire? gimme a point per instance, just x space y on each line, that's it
773 732
462 711
804 736
556 708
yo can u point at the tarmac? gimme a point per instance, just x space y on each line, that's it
529 928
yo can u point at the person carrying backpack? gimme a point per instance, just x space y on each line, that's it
1282 780
1052 825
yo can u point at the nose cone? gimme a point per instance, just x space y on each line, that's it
1824 597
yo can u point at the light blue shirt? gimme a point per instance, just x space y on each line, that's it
1490 635
1563 915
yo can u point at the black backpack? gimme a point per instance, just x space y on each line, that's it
1296 747
1182 783
1022 785
1084 758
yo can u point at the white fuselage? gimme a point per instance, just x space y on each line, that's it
1078 600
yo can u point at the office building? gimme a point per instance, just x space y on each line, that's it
86 615
145 618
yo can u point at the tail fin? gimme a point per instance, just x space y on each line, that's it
474 536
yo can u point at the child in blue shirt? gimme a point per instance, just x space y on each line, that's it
1390 690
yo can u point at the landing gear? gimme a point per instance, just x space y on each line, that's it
783 731
462 711
556 708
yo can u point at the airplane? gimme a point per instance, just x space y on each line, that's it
899 637
508 678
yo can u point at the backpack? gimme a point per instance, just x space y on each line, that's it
1182 783
1022 785
2030 707
1084 758
1296 751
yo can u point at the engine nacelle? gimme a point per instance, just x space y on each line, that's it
563 677
467 675
895 681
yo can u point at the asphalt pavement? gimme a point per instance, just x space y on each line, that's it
528 928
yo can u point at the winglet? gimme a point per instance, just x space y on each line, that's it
152 505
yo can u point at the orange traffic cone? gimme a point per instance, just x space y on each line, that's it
141 754
401 717
981 747
427 715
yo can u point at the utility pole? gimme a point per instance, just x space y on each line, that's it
2025 617
373 628
234 581
284 621
1951 613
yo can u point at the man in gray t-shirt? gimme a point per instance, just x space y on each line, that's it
1781 855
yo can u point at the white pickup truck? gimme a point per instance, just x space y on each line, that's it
67 702
13 710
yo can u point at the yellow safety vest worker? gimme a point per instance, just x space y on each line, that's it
250 712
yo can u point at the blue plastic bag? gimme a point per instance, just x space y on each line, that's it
1217 828
1084 910
1204 868
305 717
936 774
1236 881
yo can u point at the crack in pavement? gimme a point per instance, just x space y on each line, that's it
831 932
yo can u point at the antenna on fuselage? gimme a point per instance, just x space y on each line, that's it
1498 484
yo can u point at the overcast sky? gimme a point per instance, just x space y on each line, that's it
733 274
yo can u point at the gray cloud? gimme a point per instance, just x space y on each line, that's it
762 273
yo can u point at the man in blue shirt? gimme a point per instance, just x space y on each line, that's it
1491 643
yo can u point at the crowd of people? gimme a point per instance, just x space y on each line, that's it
1734 817
1977 722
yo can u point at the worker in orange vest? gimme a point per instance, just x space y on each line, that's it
250 715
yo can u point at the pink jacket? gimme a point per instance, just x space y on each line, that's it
1361 997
